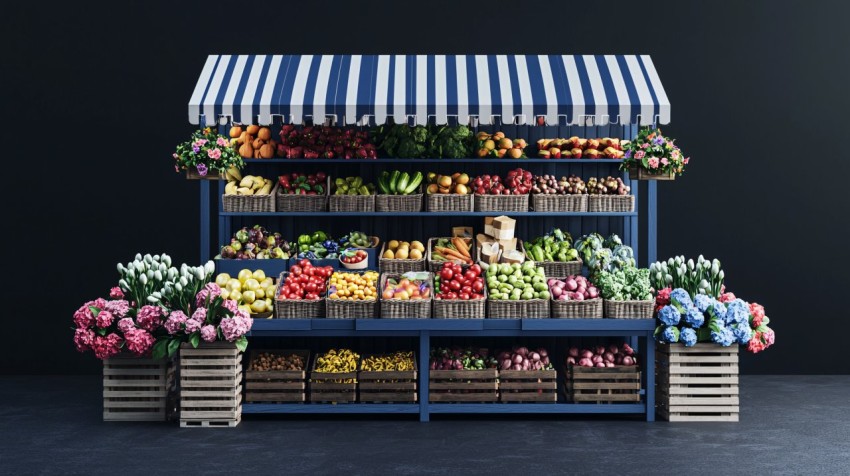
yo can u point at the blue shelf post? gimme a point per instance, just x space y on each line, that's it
424 367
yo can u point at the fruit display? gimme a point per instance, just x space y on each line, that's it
403 250
353 186
252 290
497 145
272 362
353 256
395 362
326 142
572 288
457 358
247 185
550 185
337 361
303 184
521 358
607 186
305 282
452 249
256 243
602 356
406 288
253 142
353 286
399 183
419 142
457 183
553 246
517 182
516 282
576 148
456 282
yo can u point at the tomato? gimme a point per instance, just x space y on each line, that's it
451 295
464 296
284 290
478 286
475 269
446 273
310 287
454 285
293 296
296 270
456 269
466 289
305 262
469 274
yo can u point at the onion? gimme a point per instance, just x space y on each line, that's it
517 359
546 360
517 367
571 360
573 352
599 349
543 352
596 359
585 362
600 364
523 351
592 292
609 364
614 349
586 354
557 291
506 364
628 360
608 357
572 285
535 356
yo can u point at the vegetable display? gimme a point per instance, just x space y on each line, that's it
517 182
404 250
353 286
272 362
457 358
395 362
653 152
247 185
607 186
256 243
607 254
516 282
550 185
457 183
253 142
457 282
303 184
337 361
451 249
521 358
353 186
406 288
318 245
703 277
627 284
553 246
206 151
252 290
314 142
602 356
497 145
573 288
399 183
419 142
305 281
576 148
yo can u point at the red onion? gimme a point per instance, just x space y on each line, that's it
600 364
571 360
608 357
573 352
609 364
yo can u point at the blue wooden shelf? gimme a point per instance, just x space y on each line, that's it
263 327
444 408
427 214
292 408
433 161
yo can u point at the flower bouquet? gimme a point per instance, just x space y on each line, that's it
207 155
651 156
703 277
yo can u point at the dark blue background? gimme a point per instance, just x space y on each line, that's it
95 99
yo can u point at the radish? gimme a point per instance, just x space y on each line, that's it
613 349
596 359
592 292
543 352
535 356
628 360
586 354
517 359
599 349
517 367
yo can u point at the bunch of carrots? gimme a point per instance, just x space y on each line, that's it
452 249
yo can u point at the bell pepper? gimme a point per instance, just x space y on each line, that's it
318 237
304 240
537 253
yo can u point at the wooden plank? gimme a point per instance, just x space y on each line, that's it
463 397
714 400
707 348
678 369
702 418
464 374
387 385
546 385
393 397
133 416
158 372
207 415
390 375
210 424
602 398
464 385
701 359
545 397
687 390
528 374
678 379
276 397
250 385
132 404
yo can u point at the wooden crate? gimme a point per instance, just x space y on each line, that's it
276 385
339 387
539 386
619 384
390 386
210 385
698 383
463 385
135 389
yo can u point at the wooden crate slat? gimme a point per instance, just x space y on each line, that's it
274 375
674 379
134 416
701 348
713 390
249 385
401 386
710 400
464 385
135 389
210 385
464 374
605 385
528 386
136 393
388 396
210 424
332 386
464 397
544 385
545 397
698 383
701 359
133 372
601 385
229 372
298 396
155 403
729 369
146 384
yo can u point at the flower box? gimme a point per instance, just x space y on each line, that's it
210 385
136 389
640 173
698 383
193 174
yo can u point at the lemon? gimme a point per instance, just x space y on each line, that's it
251 284
234 285
244 275
222 279
260 293
225 294
248 297
235 295
258 306
259 275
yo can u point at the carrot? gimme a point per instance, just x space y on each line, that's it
450 253
461 246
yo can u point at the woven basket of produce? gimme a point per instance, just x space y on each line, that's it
567 194
501 203
450 297
455 249
574 297
523 295
554 252
629 309
406 296
609 195
352 295
401 258
399 192
294 193
285 308
558 203
495 195
351 194
448 193
520 309
261 198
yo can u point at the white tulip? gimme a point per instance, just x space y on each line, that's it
209 267
143 279
131 273
157 275
138 256
184 281
178 287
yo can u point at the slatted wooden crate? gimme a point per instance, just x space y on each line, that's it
210 385
333 387
619 384
135 389
395 386
463 385
698 383
539 386
276 385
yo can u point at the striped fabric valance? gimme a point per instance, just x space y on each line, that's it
361 89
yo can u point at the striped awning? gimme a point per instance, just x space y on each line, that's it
360 89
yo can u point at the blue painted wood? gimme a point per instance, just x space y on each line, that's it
360 162
205 220
262 325
272 267
652 223
427 214
536 408
649 398
420 324
424 380
293 408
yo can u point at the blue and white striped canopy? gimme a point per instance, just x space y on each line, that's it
360 89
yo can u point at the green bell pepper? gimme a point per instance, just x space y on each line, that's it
317 237
304 240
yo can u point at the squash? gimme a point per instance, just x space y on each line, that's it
246 151
256 153
257 143
267 151
253 129
264 133
235 132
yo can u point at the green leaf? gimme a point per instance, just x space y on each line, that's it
241 343
173 346
95 311
101 332
195 339
159 349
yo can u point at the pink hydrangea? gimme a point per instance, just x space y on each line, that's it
119 308
214 153
652 162
662 298
104 319
208 333
640 154
83 339
106 347
727 298
665 161
757 311
235 327
116 293
221 141
756 345
200 314
175 322
139 341
149 318
210 291
83 317
125 325
231 305
769 338
193 325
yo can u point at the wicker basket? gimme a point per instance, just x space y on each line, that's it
448 202
399 203
629 309
508 309
589 309
296 308
459 309
501 203
344 309
405 309
302 203
556 268
399 266
434 265
611 203
351 203
249 203
542 202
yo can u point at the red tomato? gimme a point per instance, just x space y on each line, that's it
478 286
456 269
466 289
293 296
296 270
310 287
464 296
454 285
465 282
305 262
284 290
469 274
451 295
446 274
475 269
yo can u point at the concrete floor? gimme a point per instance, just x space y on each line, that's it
789 425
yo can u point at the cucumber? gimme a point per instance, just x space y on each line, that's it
394 181
402 183
382 184
414 183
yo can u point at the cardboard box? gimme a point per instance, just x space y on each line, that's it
488 226
503 227
507 245
490 252
462 231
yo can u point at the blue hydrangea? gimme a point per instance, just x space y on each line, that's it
671 335
669 315
718 310
743 333
694 317
688 337
703 302
681 297
737 312
723 336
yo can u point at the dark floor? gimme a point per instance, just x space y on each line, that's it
789 425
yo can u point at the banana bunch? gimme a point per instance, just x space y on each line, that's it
247 185
337 361
398 361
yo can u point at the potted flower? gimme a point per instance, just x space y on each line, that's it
207 155
652 156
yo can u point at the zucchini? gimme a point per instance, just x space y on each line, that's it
414 183
394 181
402 183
